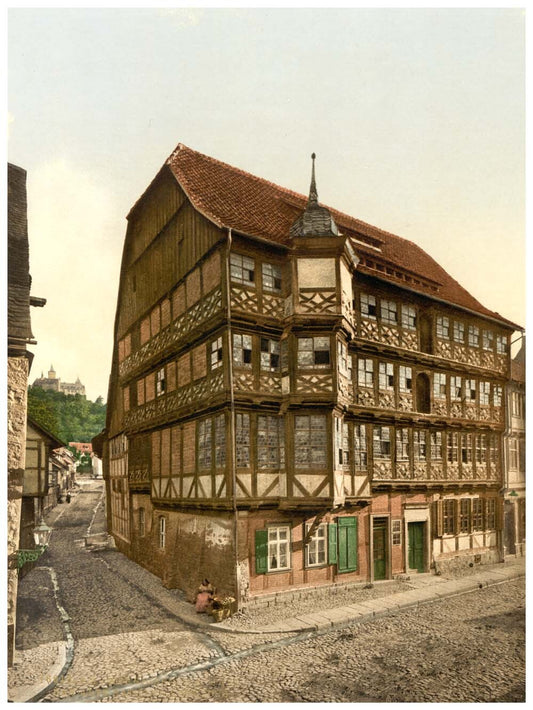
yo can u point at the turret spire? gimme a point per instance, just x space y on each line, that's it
313 194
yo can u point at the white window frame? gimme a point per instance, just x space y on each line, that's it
275 545
313 546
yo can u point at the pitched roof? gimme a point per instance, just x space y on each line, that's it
233 198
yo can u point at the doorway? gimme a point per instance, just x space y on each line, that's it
416 546
379 547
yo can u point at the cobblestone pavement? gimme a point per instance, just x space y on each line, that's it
464 649
138 642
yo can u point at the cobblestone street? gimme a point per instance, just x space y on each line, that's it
135 641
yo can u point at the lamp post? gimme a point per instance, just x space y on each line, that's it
41 535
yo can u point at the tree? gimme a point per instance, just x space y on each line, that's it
69 417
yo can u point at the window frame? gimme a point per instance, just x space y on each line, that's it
277 542
320 534
274 288
388 312
243 266
315 348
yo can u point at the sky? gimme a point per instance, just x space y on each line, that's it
417 117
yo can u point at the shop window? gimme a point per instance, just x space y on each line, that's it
242 269
368 306
316 548
310 441
313 352
269 355
242 350
271 278
365 372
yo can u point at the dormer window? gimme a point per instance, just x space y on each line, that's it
242 270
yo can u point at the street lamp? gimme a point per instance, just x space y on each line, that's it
41 535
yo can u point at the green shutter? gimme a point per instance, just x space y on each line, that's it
347 544
332 543
261 551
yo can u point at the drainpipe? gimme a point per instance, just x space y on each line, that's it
232 424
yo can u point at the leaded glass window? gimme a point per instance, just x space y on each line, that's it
242 440
310 441
242 269
242 350
269 355
271 277
270 443
314 352
365 372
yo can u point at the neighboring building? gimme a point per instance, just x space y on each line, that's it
39 482
515 457
297 398
96 463
52 382
18 367
62 472
81 447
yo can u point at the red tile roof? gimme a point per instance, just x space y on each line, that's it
231 197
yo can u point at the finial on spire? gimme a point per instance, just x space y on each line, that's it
313 195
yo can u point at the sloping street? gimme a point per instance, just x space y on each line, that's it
134 641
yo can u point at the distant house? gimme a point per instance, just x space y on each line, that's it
38 482
81 447
52 382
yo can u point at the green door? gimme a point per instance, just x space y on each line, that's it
416 546
380 548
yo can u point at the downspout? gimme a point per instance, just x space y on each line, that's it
232 425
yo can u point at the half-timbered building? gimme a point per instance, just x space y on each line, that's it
297 398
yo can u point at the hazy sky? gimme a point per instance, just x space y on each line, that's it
416 116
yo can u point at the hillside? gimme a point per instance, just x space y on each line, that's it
69 417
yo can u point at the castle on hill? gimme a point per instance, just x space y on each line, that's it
52 382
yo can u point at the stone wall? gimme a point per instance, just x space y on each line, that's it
17 382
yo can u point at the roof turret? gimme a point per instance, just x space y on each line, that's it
315 221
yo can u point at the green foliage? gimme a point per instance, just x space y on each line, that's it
69 417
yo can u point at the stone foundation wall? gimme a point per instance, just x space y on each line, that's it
17 382
464 563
